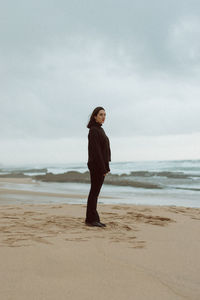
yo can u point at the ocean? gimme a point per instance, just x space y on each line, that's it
177 182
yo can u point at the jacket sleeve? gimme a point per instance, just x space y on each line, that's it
95 151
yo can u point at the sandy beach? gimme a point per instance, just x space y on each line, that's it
145 252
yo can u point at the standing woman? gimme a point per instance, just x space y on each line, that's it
99 155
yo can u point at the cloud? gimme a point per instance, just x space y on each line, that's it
53 97
60 59
184 44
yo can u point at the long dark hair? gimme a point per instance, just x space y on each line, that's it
94 113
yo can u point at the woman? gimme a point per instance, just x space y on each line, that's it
99 155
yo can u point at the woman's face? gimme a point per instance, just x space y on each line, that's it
100 117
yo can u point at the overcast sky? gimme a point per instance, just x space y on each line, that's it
140 60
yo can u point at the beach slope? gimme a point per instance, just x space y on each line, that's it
145 252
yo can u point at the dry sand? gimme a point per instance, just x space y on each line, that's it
145 252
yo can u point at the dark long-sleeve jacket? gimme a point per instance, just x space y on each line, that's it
99 153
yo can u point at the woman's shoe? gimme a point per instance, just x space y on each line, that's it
98 224
104 225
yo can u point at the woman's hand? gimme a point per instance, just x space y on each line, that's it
105 174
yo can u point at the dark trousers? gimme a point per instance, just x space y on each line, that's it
96 184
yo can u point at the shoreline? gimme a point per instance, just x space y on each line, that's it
26 190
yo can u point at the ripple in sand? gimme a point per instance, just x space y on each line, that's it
29 227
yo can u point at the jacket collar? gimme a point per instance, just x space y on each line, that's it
97 124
